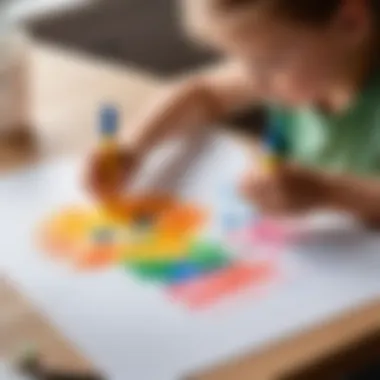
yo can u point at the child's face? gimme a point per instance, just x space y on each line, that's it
290 63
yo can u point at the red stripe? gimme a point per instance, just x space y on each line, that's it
209 289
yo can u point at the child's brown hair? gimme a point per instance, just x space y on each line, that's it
314 12
306 12
310 13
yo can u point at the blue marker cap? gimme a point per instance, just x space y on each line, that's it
271 141
273 136
109 121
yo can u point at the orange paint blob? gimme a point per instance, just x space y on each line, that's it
140 229
182 220
95 257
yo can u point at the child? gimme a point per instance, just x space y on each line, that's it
314 64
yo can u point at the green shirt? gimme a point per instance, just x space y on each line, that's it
349 141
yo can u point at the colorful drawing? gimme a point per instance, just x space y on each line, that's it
143 230
160 239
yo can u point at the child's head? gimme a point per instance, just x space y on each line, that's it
294 48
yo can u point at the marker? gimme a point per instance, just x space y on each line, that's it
108 128
108 146
272 148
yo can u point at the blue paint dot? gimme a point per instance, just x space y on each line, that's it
184 271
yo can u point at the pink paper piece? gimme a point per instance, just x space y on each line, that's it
269 233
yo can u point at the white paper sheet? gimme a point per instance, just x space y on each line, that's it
132 330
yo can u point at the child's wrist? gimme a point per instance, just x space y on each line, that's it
351 195
325 190
338 196
329 190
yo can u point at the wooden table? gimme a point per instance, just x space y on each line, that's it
65 93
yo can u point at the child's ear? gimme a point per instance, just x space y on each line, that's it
353 20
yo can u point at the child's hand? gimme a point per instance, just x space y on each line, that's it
287 190
107 174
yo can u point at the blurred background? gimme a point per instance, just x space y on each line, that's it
141 38
143 34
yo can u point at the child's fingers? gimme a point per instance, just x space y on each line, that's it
99 181
260 185
108 185
267 191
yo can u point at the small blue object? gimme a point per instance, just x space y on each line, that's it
273 141
274 138
183 272
270 141
109 121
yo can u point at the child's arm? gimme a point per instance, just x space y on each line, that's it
191 102
292 189
359 196
197 100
